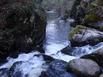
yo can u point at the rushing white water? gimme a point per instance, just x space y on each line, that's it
57 39
31 65
84 50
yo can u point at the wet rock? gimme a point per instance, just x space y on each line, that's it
14 71
101 75
4 72
68 50
81 35
96 56
84 68
79 51
22 26
48 59
57 69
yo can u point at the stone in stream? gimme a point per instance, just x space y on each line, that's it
4 72
82 35
101 75
15 71
57 68
96 56
79 51
68 50
84 68
22 26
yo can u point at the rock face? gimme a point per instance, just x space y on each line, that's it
90 13
81 35
22 26
84 68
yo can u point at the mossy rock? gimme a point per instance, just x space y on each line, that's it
91 18
76 30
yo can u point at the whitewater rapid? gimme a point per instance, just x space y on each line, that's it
33 63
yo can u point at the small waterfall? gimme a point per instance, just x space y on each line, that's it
57 39
32 64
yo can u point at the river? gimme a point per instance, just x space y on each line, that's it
57 38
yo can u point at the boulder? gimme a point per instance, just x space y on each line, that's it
101 75
68 50
81 35
96 56
22 26
4 72
84 68
57 69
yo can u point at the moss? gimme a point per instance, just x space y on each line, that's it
96 40
101 28
76 30
92 17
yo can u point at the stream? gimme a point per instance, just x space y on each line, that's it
33 63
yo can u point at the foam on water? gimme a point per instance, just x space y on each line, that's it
32 65
84 50
57 39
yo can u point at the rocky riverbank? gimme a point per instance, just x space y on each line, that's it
75 51
87 30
